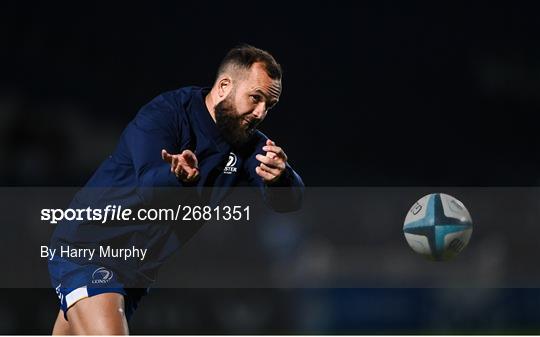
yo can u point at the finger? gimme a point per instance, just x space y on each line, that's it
188 153
190 158
275 171
193 175
190 172
263 174
277 154
272 162
276 149
178 170
180 160
269 143
271 155
166 156
174 163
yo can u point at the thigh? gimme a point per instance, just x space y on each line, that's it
61 326
101 314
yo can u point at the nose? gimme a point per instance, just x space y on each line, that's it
260 111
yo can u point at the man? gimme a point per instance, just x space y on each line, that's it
189 138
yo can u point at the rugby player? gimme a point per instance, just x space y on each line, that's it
192 137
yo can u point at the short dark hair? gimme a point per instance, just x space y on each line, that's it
243 57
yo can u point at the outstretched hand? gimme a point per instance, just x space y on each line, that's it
184 165
273 164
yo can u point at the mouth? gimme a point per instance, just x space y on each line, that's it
249 123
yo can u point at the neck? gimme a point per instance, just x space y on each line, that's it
210 103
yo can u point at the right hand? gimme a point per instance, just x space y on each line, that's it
184 165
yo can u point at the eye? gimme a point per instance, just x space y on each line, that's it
255 98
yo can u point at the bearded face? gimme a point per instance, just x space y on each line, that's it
235 127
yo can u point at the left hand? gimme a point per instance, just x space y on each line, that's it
272 164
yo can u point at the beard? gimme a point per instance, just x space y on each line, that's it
232 125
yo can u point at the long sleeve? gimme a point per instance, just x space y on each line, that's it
284 195
155 127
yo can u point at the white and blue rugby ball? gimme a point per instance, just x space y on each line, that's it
438 226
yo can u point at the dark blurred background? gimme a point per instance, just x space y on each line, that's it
384 93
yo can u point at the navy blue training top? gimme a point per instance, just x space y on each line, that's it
174 121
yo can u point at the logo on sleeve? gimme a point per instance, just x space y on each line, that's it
230 166
59 292
101 275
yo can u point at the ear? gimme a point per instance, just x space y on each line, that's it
224 86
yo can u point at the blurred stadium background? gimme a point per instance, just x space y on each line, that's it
379 94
